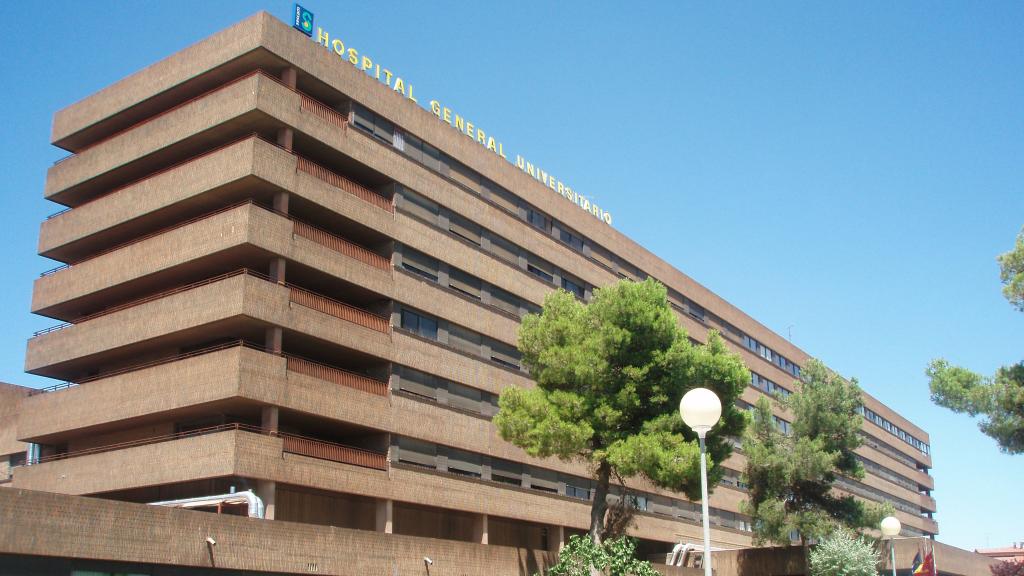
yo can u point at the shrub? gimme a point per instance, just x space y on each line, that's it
612 558
842 554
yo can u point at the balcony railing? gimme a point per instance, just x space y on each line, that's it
339 310
345 184
146 442
292 443
340 245
322 111
337 376
334 452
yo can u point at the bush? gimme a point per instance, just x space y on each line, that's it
842 554
611 558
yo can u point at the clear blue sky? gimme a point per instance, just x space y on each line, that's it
848 171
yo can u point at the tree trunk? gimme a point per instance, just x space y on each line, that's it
600 505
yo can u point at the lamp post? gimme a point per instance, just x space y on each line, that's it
701 409
891 528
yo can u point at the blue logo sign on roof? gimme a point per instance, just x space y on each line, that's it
303 20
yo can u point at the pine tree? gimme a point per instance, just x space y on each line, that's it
791 476
609 376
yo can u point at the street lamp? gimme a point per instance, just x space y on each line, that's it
891 528
701 409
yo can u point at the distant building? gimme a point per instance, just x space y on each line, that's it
283 275
1013 553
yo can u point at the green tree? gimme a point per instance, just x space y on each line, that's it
843 554
615 557
1011 272
609 376
998 399
791 476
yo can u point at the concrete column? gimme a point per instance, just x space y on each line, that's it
277 269
281 202
556 538
385 516
267 491
290 76
480 529
285 138
274 336
269 418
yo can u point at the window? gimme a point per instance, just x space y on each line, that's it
422 325
695 310
577 492
418 383
541 269
418 452
419 263
637 502
464 397
574 241
464 340
419 207
463 463
505 250
505 355
504 300
506 472
538 219
468 285
571 286
464 228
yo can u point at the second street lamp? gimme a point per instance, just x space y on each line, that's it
701 409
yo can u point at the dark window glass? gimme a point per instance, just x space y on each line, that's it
422 325
573 287
538 219
575 242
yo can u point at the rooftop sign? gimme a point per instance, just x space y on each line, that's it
303 22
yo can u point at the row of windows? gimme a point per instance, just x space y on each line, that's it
469 285
883 472
440 162
446 392
854 487
766 385
893 429
888 450
430 212
771 355
471 464
459 338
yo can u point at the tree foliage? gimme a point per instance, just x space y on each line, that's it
1005 568
1011 272
609 376
615 557
843 554
998 399
791 476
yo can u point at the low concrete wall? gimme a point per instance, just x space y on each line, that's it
56 525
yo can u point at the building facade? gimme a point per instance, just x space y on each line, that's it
283 275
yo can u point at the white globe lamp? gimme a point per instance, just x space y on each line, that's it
701 409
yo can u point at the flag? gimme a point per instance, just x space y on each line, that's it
917 563
927 567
